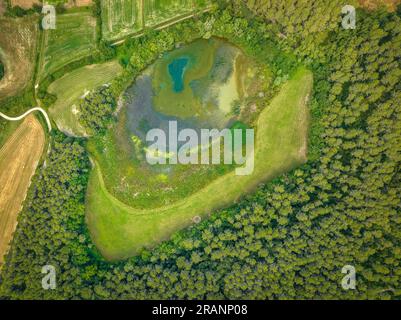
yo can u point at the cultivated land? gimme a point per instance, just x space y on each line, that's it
73 39
121 18
129 17
6 129
120 231
19 158
157 11
18 38
70 89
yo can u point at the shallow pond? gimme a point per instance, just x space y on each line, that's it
176 70
195 85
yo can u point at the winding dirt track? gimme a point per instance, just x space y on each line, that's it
28 112
19 158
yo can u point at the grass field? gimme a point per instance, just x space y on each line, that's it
71 87
18 161
73 38
18 39
120 231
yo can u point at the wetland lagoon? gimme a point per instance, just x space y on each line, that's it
196 85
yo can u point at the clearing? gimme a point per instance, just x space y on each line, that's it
71 87
19 158
120 231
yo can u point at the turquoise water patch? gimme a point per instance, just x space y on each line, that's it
177 70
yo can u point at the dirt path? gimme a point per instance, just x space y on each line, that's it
27 113
19 158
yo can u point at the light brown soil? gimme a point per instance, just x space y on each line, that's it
19 158
83 3
391 5
2 7
17 52
78 3
26 4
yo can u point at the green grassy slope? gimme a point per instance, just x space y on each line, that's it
120 231
71 87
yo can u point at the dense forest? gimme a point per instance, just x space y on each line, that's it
291 238
96 110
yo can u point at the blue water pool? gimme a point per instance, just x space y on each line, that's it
177 70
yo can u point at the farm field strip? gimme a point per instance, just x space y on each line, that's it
74 38
19 158
123 18
120 231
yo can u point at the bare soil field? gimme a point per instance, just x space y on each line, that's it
17 52
78 3
19 158
83 3
26 4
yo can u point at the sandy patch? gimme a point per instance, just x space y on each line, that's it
78 3
26 4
